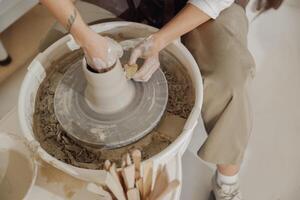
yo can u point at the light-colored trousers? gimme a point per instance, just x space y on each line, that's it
220 49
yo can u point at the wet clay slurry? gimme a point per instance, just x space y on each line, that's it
17 178
57 143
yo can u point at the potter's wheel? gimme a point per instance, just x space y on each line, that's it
109 130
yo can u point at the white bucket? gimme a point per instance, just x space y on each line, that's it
18 169
36 73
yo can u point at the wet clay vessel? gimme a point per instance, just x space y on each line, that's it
108 92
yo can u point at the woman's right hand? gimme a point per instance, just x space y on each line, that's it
100 52
148 49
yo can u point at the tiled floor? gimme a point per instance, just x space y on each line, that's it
23 37
271 169
21 41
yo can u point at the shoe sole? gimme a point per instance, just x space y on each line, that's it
5 62
212 196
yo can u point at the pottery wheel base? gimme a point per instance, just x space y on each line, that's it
109 130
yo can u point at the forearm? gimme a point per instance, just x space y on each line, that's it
67 14
186 20
100 52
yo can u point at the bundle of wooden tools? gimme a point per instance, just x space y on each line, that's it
132 182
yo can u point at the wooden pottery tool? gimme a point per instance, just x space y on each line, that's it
128 159
147 177
114 173
133 194
107 165
129 177
137 157
105 178
139 186
123 163
161 182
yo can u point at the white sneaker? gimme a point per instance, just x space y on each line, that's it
226 192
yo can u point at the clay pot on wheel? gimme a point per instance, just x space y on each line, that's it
108 92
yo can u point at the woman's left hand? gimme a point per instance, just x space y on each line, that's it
148 49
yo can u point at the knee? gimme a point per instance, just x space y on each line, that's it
238 74
237 80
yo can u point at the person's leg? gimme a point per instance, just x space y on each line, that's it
220 49
227 174
228 170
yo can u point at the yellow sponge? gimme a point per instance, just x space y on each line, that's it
130 70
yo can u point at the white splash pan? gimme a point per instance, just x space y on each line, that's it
36 73
18 169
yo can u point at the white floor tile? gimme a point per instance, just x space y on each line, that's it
196 178
272 170
9 91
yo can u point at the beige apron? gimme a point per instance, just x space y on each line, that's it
220 49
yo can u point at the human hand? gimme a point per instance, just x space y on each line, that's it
148 49
100 52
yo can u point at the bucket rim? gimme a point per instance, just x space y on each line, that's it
35 65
